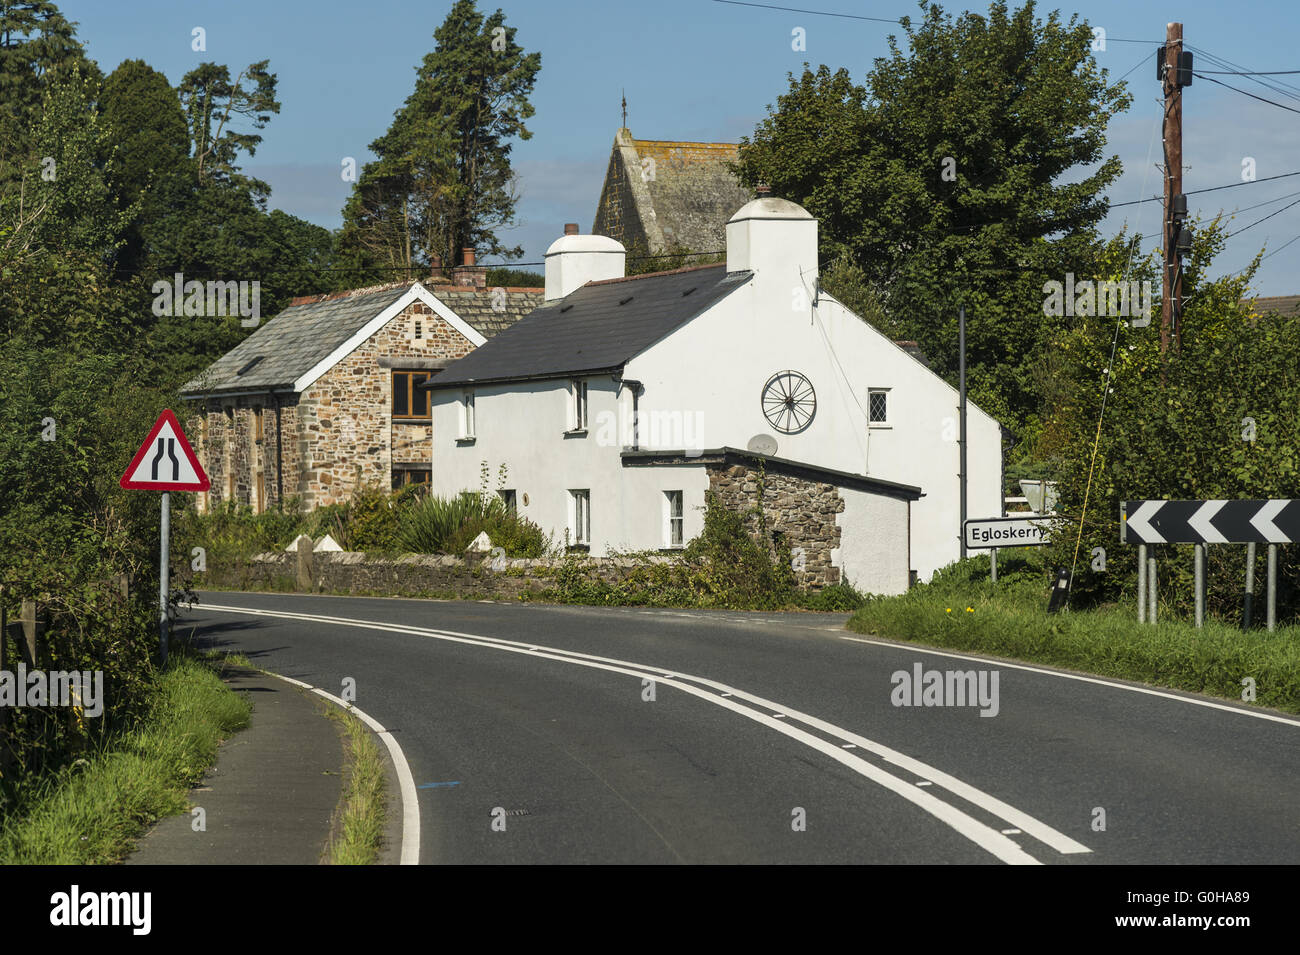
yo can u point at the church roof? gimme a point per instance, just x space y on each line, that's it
663 196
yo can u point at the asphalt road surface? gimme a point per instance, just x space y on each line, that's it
539 734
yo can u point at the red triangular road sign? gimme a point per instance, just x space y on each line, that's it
165 462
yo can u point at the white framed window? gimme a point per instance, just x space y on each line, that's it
674 523
578 405
580 516
466 416
878 407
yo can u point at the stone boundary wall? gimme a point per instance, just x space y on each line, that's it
410 575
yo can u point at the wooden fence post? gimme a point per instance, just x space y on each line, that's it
29 629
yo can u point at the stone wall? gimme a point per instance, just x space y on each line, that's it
347 437
223 432
412 575
801 511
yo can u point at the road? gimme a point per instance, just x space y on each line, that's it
539 733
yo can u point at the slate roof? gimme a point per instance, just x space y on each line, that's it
296 340
1279 304
685 203
598 327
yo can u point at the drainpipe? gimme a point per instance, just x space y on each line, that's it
636 388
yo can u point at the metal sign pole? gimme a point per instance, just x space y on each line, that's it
164 581
1142 583
961 348
1272 587
1246 605
1151 582
1198 581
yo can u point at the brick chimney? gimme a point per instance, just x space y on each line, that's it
570 228
467 273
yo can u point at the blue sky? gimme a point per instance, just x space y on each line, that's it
701 70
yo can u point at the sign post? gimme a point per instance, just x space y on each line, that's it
173 466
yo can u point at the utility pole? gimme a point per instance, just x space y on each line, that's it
1174 69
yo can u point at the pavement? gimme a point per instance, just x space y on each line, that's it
272 795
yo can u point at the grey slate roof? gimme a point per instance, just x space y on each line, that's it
598 327
293 342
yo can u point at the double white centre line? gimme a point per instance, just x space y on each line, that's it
780 719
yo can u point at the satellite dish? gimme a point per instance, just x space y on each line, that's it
762 444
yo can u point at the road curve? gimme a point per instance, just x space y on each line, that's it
540 733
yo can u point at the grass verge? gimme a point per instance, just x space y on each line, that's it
1010 620
91 813
359 836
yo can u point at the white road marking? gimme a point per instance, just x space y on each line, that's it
406 782
1083 679
1011 832
848 746
981 834
925 782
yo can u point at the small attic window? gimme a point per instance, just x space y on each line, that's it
419 328
624 301
249 367
565 308
689 290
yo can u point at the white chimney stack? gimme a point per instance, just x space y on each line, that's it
574 260
774 238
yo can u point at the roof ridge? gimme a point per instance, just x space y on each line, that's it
348 293
655 275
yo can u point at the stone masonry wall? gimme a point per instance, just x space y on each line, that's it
801 511
223 432
347 438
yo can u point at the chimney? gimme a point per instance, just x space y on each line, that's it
777 240
573 260
467 273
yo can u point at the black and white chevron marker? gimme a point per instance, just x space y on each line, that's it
1210 522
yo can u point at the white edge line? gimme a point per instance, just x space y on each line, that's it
1083 679
986 837
406 782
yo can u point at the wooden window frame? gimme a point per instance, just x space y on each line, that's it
413 394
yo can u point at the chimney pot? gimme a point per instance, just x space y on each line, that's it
570 228
763 189
467 256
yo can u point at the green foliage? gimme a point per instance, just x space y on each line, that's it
437 525
91 812
1019 107
212 103
1175 428
962 610
443 180
519 278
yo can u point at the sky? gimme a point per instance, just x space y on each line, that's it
707 70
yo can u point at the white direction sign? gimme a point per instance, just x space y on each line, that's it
989 532
165 462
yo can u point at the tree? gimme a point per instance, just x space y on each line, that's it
943 179
37 45
442 180
212 103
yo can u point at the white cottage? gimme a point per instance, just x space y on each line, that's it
622 401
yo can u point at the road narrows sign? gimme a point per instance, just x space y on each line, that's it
165 462
1210 522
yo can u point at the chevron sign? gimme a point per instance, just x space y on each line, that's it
1210 522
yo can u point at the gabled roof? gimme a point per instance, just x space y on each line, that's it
305 340
665 194
1279 304
596 328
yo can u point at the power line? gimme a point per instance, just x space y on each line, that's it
1265 219
1197 192
1254 72
1244 93
814 13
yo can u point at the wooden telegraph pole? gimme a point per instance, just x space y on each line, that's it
1174 68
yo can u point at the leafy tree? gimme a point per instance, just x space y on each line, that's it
442 180
36 45
943 179
212 104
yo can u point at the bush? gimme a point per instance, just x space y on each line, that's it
449 525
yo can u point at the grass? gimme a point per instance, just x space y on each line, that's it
1010 620
359 836
91 813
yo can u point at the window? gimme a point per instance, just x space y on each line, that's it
509 499
466 416
409 401
404 476
580 517
257 422
878 407
673 523
578 421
